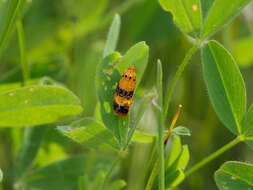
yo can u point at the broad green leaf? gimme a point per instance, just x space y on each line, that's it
225 85
243 52
221 12
31 144
8 13
91 134
186 14
112 37
181 130
107 76
37 105
234 176
59 175
1 175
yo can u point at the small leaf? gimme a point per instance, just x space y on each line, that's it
36 105
186 14
112 37
234 176
91 134
221 12
60 175
181 131
225 85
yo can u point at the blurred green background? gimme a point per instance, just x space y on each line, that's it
65 41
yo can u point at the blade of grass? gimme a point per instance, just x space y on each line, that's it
23 58
161 128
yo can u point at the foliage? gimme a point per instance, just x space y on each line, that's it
59 74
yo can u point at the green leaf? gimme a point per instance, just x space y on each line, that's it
8 13
234 176
225 85
107 76
1 175
59 175
243 52
181 131
186 14
221 12
91 134
112 37
36 105
32 140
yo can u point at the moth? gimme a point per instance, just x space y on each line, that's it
123 96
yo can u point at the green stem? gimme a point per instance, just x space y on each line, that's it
214 155
152 177
107 177
179 72
23 58
161 154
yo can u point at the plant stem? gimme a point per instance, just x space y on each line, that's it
23 58
179 72
215 155
152 177
107 177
